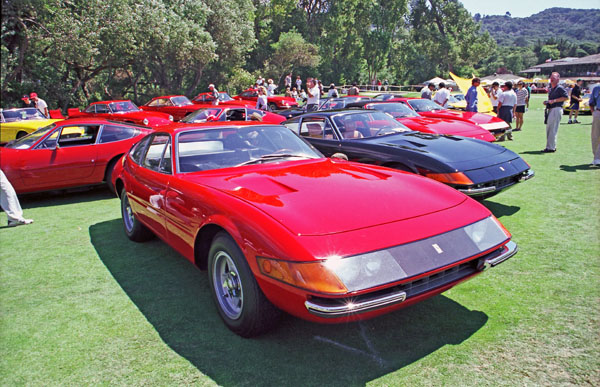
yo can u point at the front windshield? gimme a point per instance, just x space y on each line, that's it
181 101
206 149
224 97
27 141
202 115
460 97
424 105
367 124
396 110
14 115
123 106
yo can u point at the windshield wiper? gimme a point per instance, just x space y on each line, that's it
271 156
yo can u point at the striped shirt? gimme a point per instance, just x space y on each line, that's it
522 95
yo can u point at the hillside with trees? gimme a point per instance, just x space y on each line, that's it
76 52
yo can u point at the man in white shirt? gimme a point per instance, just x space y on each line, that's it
507 104
441 96
333 93
40 104
313 92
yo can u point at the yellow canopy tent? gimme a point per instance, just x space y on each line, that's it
484 105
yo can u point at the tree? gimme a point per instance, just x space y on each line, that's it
291 50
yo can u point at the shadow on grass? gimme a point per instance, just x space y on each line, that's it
580 167
63 197
173 295
499 210
532 153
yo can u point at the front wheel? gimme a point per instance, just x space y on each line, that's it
134 230
241 303
273 106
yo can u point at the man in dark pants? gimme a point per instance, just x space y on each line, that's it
575 100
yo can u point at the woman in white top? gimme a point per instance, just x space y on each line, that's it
261 102
494 94
271 88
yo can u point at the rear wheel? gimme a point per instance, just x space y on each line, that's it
272 106
134 230
241 303
108 174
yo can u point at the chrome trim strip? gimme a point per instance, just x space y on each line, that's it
529 175
511 249
350 308
478 191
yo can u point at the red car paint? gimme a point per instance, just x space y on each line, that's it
275 102
43 166
307 210
122 110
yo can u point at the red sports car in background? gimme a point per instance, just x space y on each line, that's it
70 153
122 110
275 102
428 108
230 113
414 121
224 99
279 227
178 106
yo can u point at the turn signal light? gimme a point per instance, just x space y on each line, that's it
458 178
313 276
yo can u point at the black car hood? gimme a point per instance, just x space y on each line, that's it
459 152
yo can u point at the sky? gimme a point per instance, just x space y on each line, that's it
523 8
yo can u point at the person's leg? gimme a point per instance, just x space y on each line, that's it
552 128
9 200
596 136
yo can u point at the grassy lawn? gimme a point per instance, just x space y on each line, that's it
82 305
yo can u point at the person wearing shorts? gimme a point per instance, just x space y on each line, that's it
522 103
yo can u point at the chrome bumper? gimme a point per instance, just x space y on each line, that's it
352 308
485 190
510 249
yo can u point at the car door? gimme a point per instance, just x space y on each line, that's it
319 132
67 157
149 186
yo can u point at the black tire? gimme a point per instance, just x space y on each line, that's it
272 106
108 174
134 230
241 303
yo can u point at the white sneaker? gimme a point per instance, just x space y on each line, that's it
596 162
20 222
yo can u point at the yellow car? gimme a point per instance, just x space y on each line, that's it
457 102
16 123
584 105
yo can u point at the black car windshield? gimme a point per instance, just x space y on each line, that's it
202 115
367 124
27 141
181 101
424 105
396 110
123 106
206 149
14 115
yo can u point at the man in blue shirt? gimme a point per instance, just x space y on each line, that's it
595 108
471 96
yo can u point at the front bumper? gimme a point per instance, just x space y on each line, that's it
498 185
335 308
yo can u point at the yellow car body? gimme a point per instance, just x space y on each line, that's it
457 103
16 123
584 105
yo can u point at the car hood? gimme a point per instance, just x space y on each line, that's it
447 126
320 197
477 118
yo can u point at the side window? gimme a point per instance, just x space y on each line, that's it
91 109
154 102
49 142
155 152
166 163
112 133
138 150
236 115
316 128
78 135
102 108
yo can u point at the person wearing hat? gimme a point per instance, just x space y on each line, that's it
332 93
40 104
214 93
27 103
575 100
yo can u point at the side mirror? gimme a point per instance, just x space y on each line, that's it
339 156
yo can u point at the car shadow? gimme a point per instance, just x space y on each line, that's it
63 197
580 167
173 295
499 210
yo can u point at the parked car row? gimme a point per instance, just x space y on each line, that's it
332 216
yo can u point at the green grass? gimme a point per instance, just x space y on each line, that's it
82 305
